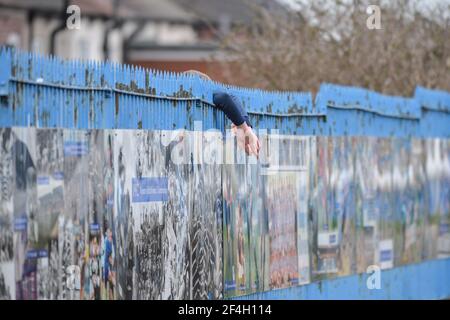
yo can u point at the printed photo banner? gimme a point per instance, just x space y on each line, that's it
357 202
136 214
103 214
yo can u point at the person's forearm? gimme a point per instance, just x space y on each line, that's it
231 107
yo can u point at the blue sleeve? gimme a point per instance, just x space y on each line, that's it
232 107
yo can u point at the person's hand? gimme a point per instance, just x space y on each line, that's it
246 139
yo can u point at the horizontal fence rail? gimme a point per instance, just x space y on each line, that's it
96 95
119 182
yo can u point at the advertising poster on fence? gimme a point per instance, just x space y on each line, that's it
414 220
25 213
74 224
306 149
432 191
50 198
96 274
205 219
169 218
326 236
365 219
439 169
245 226
141 190
7 175
386 213
130 214
400 192
341 181
282 207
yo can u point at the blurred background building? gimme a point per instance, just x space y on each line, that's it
163 34
290 45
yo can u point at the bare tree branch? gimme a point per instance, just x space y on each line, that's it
328 41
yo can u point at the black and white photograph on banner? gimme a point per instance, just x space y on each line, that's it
222 159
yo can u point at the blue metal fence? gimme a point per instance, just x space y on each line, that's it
50 92
47 92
